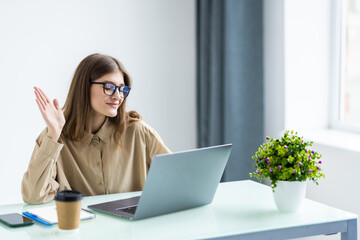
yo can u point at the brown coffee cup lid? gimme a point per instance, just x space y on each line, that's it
68 196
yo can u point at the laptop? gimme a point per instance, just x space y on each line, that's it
175 182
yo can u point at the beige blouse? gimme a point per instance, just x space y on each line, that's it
94 166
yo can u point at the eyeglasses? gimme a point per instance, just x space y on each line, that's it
110 89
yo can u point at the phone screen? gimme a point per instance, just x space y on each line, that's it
15 220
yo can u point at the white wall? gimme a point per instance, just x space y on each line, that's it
42 42
299 70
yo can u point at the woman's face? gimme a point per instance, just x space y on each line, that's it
102 104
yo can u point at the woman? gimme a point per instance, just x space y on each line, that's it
94 146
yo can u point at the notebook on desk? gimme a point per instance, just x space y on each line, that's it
175 182
48 215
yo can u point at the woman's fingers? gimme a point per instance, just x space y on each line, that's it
39 101
38 96
43 102
41 107
56 104
42 96
51 113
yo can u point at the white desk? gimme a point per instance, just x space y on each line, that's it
240 210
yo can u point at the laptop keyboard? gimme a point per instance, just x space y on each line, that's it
130 210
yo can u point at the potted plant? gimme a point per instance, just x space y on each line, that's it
288 163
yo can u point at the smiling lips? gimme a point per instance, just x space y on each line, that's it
113 105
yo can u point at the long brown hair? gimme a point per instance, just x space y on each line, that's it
77 108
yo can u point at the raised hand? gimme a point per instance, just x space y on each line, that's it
51 113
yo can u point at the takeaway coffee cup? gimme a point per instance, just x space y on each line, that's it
68 207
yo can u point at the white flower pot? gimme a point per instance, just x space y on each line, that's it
288 196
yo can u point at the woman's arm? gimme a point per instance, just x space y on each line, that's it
154 144
38 183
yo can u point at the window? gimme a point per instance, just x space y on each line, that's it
347 115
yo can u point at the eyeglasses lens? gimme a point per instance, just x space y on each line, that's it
109 89
125 91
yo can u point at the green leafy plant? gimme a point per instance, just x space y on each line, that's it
287 159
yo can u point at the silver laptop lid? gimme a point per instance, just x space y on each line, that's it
182 180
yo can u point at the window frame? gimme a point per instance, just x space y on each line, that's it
338 63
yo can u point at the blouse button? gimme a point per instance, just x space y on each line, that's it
96 140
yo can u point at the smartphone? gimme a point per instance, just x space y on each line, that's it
15 220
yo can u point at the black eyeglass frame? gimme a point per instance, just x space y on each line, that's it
125 93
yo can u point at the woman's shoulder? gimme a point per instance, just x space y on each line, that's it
139 126
136 125
141 130
135 122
